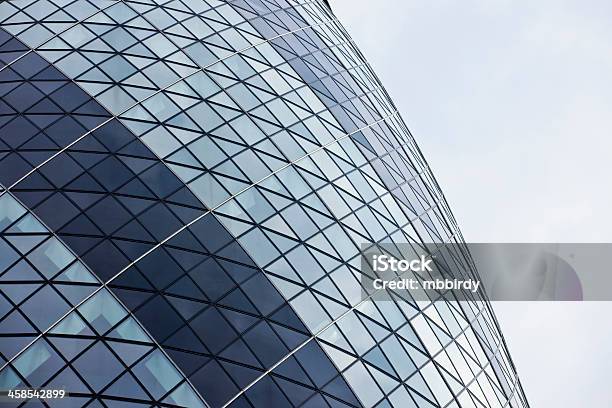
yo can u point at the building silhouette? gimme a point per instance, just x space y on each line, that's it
186 189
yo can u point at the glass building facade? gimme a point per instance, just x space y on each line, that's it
186 189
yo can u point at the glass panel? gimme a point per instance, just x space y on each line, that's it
102 311
51 257
157 374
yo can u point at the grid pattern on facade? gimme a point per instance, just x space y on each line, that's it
97 347
217 165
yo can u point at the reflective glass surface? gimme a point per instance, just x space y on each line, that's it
186 189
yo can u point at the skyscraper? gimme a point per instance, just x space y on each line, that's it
187 186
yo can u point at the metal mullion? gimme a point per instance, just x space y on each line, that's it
55 35
105 284
299 347
116 116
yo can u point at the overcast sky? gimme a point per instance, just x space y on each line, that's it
511 103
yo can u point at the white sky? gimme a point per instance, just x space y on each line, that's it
511 103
